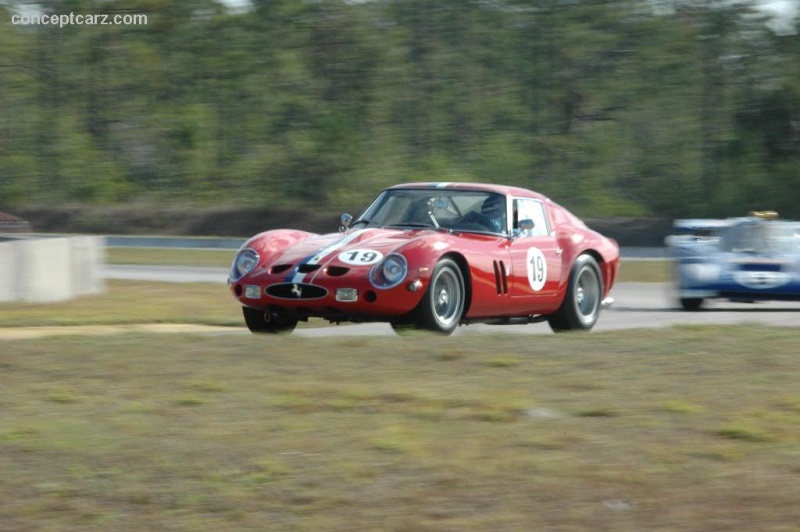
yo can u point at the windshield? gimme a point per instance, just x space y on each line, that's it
762 237
457 210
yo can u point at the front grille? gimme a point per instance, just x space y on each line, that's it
296 291
760 267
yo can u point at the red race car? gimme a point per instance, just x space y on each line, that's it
432 256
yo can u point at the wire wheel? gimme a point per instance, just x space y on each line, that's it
581 306
264 322
443 303
587 294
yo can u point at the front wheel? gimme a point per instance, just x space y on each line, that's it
691 303
259 321
581 306
443 303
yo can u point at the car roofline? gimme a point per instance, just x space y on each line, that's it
506 190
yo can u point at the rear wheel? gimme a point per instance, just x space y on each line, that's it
259 321
443 303
581 306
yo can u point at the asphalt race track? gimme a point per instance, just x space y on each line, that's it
636 305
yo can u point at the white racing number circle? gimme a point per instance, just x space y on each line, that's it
360 257
537 269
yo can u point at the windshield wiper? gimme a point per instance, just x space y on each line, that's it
361 221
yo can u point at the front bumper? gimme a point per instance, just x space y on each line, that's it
341 299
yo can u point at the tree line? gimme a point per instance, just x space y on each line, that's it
612 108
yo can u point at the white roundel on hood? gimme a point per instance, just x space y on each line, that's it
360 257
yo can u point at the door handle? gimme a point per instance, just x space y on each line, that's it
559 251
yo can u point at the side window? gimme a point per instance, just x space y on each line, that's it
526 209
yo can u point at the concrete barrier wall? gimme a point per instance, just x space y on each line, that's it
88 255
48 269
8 270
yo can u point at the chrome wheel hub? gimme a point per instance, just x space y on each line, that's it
443 298
587 293
447 297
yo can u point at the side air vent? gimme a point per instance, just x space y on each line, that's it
500 278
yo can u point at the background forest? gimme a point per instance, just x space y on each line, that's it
612 108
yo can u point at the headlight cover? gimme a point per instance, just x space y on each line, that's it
390 272
243 263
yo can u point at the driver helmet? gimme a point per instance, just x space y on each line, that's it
494 208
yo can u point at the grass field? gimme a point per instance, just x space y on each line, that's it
132 302
690 428
219 258
693 428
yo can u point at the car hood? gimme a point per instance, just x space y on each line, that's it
360 247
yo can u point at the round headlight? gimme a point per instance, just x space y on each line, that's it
394 270
390 272
703 272
243 263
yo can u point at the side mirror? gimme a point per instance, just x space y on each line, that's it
524 226
346 219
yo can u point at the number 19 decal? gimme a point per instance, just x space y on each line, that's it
360 257
537 269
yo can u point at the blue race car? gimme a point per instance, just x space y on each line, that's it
746 259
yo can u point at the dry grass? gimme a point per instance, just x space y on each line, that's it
694 428
644 271
126 302
210 258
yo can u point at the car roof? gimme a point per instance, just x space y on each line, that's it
488 187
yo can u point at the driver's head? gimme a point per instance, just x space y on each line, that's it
494 207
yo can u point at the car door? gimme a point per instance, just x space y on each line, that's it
536 259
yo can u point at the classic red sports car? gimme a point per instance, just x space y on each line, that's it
432 256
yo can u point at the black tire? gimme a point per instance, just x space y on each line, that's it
262 322
691 303
581 307
442 305
404 327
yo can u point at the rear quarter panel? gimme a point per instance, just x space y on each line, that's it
576 239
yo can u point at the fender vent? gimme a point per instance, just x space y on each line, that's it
500 277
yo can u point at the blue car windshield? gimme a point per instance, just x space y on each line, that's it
457 210
762 237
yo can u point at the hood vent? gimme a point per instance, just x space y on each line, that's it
307 268
337 271
279 268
